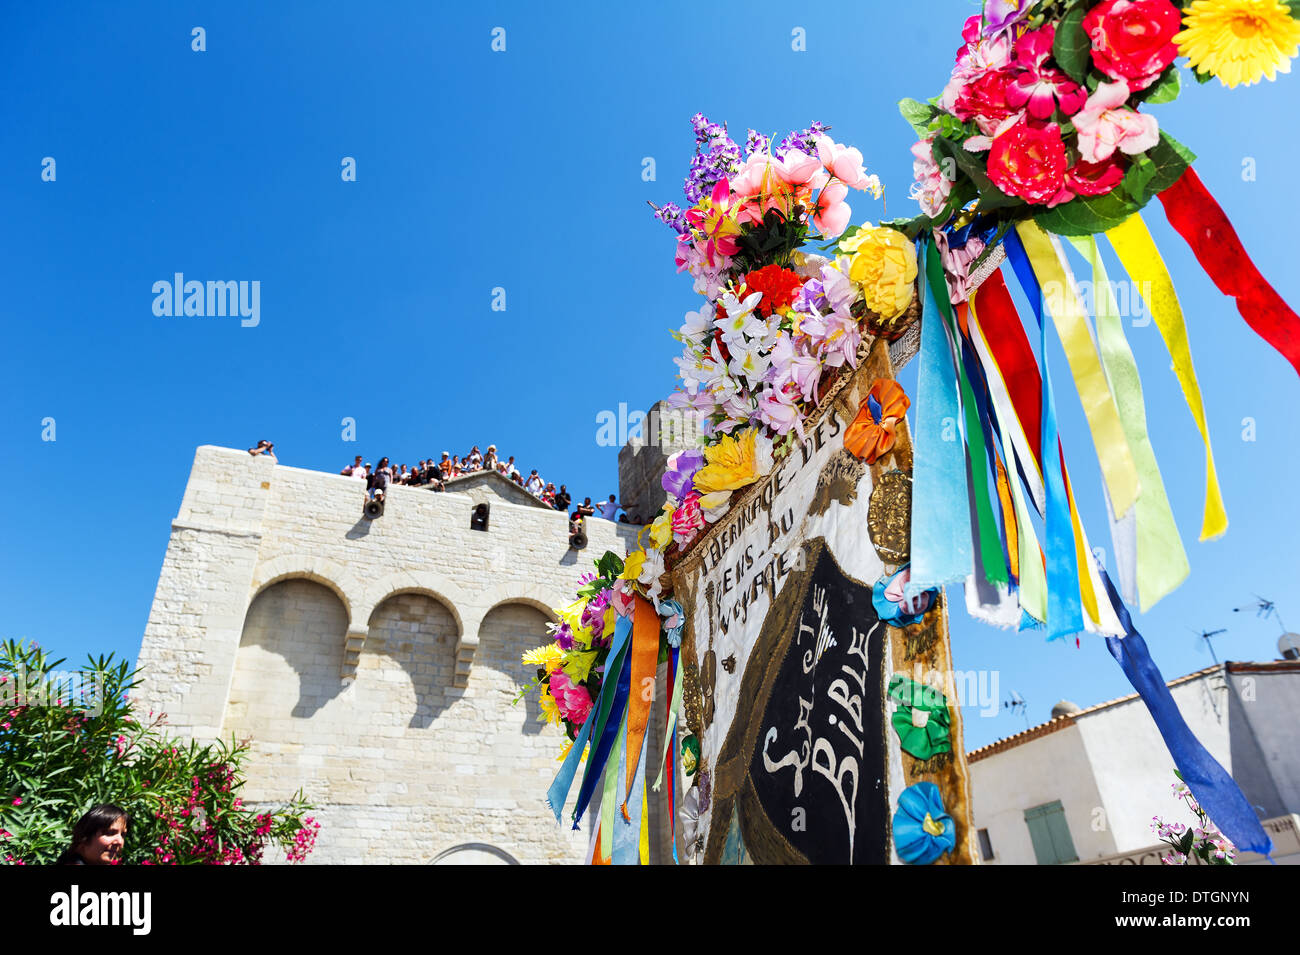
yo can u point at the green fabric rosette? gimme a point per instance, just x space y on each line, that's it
921 720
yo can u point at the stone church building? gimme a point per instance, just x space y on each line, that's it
373 663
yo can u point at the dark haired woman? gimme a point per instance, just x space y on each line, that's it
97 837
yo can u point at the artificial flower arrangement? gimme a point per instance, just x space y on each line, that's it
1045 113
778 323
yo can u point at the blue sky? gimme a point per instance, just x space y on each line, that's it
520 170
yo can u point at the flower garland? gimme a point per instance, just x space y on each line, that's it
1044 115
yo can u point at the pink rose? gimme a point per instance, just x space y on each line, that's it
1106 124
688 519
984 99
573 701
1028 161
1133 40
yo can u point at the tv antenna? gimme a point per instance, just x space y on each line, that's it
1206 636
1017 704
1265 608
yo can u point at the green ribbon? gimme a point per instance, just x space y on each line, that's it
1161 561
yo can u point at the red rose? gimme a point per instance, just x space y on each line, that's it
779 287
1029 162
985 100
1133 40
1094 178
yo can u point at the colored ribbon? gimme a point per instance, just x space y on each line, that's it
618 675
1062 297
629 822
941 528
1064 613
1149 553
559 791
1213 788
645 661
1138 254
1195 215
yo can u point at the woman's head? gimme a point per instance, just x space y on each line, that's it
98 835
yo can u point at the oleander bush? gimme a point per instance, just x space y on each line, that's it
70 740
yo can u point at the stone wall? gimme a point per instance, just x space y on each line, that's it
372 663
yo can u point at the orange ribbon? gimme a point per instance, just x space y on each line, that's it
645 660
867 438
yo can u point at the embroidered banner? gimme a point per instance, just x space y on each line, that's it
787 658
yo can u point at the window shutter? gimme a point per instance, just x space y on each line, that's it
1050 834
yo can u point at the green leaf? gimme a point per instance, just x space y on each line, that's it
1167 88
917 114
1171 159
1072 48
1137 178
1087 215
1202 77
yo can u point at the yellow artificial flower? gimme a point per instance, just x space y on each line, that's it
884 265
577 664
734 462
632 565
572 615
661 529
550 709
1239 41
549 657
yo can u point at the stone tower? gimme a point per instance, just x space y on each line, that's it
372 663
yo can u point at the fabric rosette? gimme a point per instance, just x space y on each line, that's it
923 831
893 607
921 720
872 432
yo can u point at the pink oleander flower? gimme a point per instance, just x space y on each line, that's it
931 187
845 164
1105 124
832 213
1038 88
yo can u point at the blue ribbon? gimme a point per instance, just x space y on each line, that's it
941 523
600 753
1214 789
1064 606
559 791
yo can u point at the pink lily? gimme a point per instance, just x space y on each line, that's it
832 214
843 162
1038 88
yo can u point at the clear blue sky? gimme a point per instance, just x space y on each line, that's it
522 170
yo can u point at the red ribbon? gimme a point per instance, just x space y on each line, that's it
1010 347
1192 211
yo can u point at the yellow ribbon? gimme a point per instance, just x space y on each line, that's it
1159 561
1138 254
1062 300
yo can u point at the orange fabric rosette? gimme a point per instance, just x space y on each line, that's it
872 432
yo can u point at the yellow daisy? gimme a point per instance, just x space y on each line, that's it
548 657
1239 41
734 462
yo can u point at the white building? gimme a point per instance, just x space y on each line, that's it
1084 786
